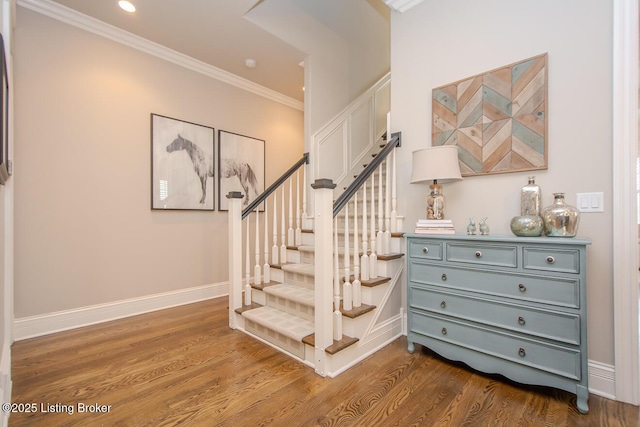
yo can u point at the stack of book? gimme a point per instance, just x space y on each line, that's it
435 226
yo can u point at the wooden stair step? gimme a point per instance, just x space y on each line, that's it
376 281
262 286
244 308
333 348
389 257
369 283
279 266
284 323
356 311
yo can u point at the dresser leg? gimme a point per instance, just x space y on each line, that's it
411 347
583 396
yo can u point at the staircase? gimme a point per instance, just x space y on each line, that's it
322 290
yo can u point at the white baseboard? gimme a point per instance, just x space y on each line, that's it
35 326
602 380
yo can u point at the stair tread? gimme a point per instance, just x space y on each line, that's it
308 269
292 292
336 346
284 323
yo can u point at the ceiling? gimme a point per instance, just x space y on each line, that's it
217 33
212 31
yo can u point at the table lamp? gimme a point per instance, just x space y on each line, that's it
438 164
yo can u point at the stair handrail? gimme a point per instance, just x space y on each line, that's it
396 139
262 197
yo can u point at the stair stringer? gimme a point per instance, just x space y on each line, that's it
376 334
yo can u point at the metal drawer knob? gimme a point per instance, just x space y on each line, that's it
443 304
478 254
522 287
521 320
521 352
551 259
425 250
444 277
444 331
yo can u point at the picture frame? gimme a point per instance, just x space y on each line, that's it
241 167
5 162
182 165
497 119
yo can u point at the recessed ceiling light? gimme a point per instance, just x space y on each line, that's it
250 63
128 6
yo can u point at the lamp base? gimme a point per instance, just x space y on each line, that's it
435 202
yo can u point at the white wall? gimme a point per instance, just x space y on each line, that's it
84 230
347 47
438 42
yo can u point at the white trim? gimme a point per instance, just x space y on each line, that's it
5 380
34 326
401 5
625 231
69 16
602 379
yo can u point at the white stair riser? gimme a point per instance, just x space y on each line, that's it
293 307
299 279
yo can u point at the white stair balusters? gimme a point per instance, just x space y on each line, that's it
364 260
379 238
247 273
394 184
283 246
386 237
337 314
274 248
298 231
266 273
347 292
303 216
257 274
356 285
290 233
373 257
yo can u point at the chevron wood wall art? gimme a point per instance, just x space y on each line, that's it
497 119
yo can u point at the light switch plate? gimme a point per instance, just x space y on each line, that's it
590 202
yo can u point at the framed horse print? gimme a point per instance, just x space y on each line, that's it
240 167
182 165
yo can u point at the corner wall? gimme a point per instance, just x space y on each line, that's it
85 234
436 43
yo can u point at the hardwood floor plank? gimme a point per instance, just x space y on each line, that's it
185 366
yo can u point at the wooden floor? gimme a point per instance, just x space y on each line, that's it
184 366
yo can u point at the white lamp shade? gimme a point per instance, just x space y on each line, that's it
436 163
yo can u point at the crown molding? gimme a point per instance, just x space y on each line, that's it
401 5
69 16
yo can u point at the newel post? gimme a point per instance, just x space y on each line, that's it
235 255
323 235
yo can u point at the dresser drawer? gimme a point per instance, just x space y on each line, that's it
549 324
425 249
478 253
556 359
544 289
552 259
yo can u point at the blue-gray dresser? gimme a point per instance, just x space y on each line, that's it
515 306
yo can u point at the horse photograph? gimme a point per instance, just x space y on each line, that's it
182 165
240 167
